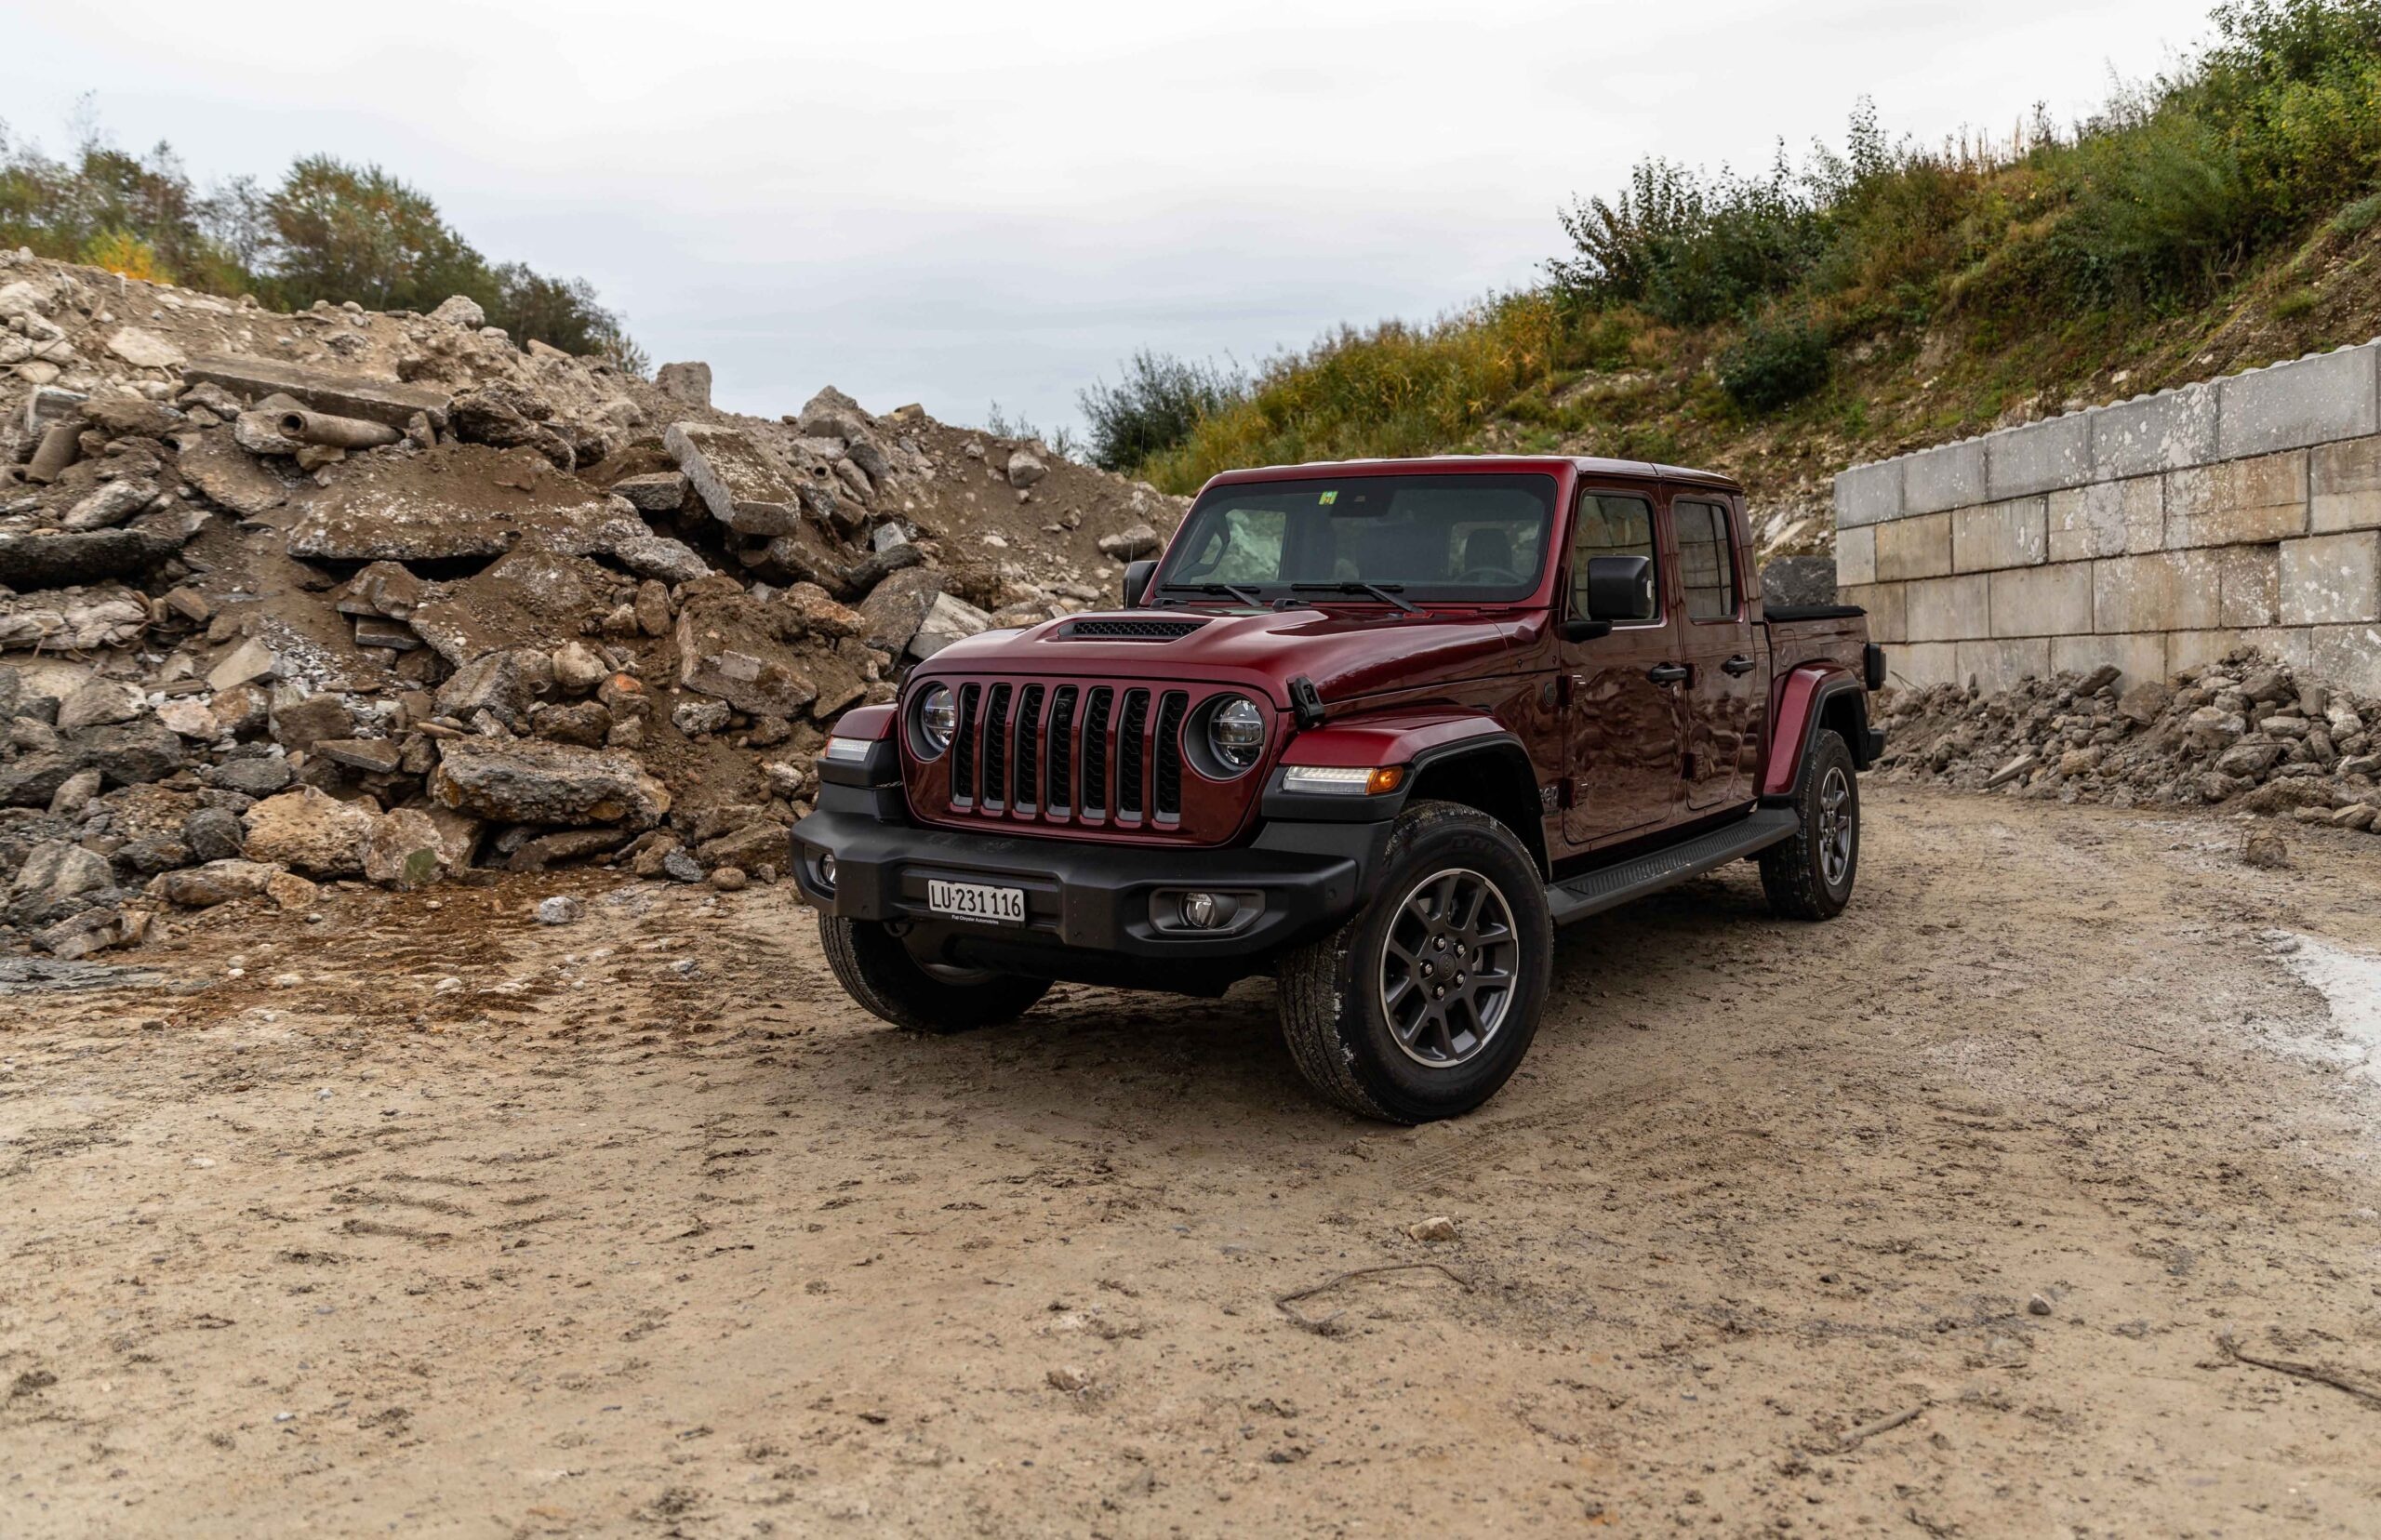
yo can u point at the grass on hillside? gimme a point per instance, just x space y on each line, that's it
1870 299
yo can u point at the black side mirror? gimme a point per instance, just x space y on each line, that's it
1620 589
1136 582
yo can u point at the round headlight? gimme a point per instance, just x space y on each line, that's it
1236 733
938 721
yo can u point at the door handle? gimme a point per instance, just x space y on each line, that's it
1739 664
1669 674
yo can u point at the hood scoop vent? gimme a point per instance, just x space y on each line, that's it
1129 631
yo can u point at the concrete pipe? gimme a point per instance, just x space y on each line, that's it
334 433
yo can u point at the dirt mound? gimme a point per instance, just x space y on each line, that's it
505 606
2243 731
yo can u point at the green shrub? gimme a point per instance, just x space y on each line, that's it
1155 407
2358 216
1776 364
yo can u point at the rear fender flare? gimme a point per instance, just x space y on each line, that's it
1805 699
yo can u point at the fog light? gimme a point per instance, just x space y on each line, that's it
826 872
1200 911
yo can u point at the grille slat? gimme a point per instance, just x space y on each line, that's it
1132 755
1095 752
1029 748
1170 711
996 747
1062 750
963 747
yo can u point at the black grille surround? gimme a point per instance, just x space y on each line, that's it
1081 754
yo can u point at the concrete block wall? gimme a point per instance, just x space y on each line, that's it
2156 534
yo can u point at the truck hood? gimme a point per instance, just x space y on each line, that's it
1347 653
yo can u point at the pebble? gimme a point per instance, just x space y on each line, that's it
727 878
1436 1227
1071 1378
2038 1305
561 910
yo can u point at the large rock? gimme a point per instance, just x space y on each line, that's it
947 619
387 401
311 830
144 348
458 500
507 685
629 542
108 503
219 882
59 868
740 482
55 559
1131 544
407 848
893 610
126 754
659 492
534 782
131 417
100 703
69 620
229 476
689 382
820 613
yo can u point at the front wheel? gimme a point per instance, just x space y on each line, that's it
1422 1005
1809 877
878 972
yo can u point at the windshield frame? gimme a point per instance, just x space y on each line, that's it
1170 587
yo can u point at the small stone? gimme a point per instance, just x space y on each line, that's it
2266 850
561 910
1435 1228
680 866
1130 544
728 879
1073 1378
2038 1305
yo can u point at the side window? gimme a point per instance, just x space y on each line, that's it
1707 561
1611 526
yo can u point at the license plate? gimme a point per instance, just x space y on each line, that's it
1001 905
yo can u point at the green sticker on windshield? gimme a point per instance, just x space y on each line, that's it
1329 497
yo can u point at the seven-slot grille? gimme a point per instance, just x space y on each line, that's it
1078 754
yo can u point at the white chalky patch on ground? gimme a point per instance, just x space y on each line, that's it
2350 985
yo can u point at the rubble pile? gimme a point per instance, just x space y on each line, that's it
346 596
2243 732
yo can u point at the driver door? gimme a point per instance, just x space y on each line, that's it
1621 725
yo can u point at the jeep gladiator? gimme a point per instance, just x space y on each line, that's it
1378 728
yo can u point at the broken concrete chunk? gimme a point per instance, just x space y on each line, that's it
59 559
819 614
534 597
302 721
374 756
251 659
744 488
947 619
144 348
534 782
386 400
99 703
79 619
462 499
734 647
1131 544
131 417
662 492
228 477
689 382
408 849
110 503
506 684
629 542
219 882
311 830
460 310
382 589
893 610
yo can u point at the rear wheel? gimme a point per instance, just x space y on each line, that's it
1810 876
878 972
1423 1004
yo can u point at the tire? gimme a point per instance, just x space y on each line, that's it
878 972
1810 876
1336 993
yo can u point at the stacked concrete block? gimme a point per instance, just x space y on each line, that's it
2153 535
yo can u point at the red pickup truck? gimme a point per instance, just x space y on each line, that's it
1377 728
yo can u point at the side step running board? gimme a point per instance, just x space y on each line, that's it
1611 886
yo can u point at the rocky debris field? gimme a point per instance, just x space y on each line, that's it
347 597
2034 1195
2244 733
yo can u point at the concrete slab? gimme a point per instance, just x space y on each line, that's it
2348 657
2108 519
1920 665
1868 495
1855 556
1908 549
2159 591
2140 654
2238 502
1951 476
2335 395
2167 432
2247 585
2000 665
2041 456
390 402
1888 617
1949 610
2332 579
1999 535
2047 601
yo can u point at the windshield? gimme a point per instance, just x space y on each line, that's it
1471 538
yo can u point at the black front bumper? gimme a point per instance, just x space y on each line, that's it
1083 901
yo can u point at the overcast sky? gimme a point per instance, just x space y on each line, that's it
956 203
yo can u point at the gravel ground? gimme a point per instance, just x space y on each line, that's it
1937 1216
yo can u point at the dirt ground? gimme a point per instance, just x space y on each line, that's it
1931 1220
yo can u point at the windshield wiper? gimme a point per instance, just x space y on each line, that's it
1386 592
1247 595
